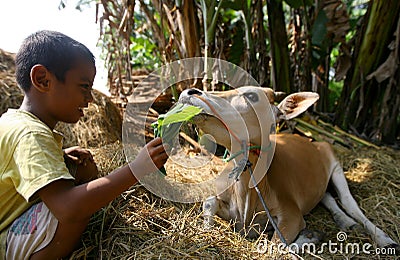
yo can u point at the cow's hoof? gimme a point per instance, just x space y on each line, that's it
309 236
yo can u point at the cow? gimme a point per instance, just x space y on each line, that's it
298 174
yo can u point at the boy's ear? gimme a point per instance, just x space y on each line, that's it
40 78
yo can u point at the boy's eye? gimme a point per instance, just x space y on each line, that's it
86 87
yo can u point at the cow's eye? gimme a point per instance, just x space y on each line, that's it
252 97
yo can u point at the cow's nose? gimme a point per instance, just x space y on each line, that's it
194 91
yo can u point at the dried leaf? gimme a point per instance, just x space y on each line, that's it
338 24
386 70
343 63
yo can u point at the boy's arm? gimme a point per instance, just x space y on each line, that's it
75 203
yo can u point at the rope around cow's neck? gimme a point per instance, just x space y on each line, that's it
245 149
249 148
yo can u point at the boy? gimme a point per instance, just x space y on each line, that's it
44 209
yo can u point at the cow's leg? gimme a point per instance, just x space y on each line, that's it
210 208
292 227
214 206
290 224
342 220
350 205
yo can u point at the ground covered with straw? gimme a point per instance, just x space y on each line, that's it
140 225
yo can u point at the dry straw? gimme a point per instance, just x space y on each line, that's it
139 225
11 95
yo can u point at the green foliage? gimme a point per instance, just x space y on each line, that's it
356 9
237 47
318 38
236 29
231 18
144 52
235 5
167 125
319 30
335 90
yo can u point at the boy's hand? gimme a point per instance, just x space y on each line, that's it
79 155
150 158
81 164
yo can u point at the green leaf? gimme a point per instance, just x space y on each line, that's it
236 50
184 115
309 2
233 5
167 125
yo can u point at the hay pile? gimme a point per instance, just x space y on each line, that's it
101 125
11 95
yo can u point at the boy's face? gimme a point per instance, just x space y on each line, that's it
68 98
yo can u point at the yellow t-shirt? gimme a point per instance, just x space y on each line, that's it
31 157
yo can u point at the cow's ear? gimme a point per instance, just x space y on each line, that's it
295 104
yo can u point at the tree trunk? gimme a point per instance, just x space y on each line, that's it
281 77
260 66
364 102
191 29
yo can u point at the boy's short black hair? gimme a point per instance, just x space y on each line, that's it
54 50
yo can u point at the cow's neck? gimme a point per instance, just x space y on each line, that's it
245 176
243 200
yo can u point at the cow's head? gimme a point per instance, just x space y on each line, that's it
246 112
245 115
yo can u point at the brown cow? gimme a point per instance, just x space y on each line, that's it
298 175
